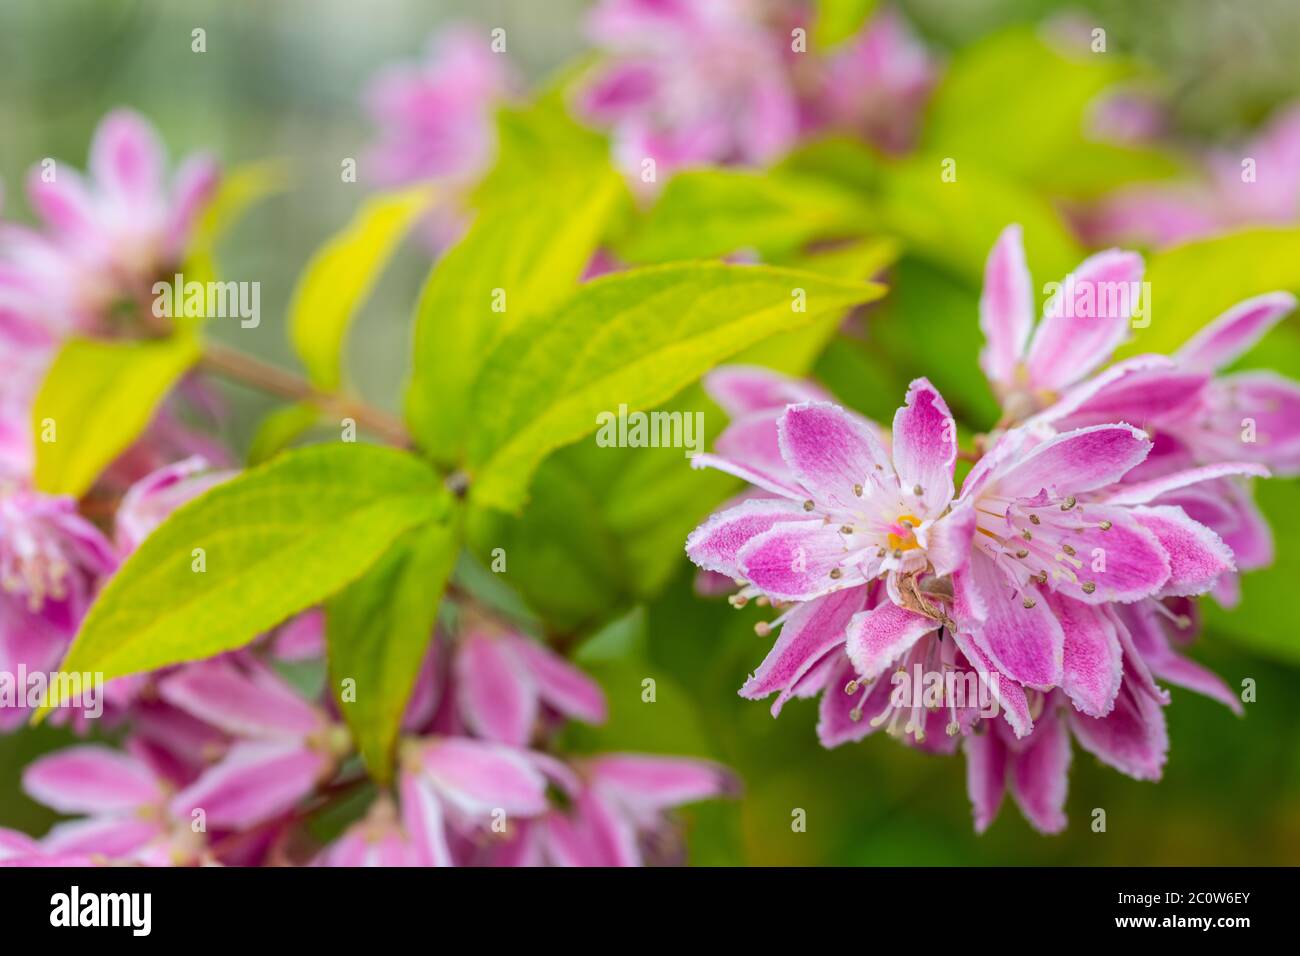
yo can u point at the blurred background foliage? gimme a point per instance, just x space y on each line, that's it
596 560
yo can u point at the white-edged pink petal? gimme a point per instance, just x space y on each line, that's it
1006 307
90 778
831 453
1074 338
925 447
1235 332
879 636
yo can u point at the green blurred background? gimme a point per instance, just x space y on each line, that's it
283 79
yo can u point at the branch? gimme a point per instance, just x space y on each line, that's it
273 380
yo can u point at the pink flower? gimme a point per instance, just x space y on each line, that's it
848 511
454 786
154 497
52 562
506 683
126 805
436 120
1083 322
376 840
284 748
435 117
1255 184
878 84
690 82
108 239
619 813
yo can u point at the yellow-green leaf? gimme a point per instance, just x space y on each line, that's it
633 338
378 630
250 553
340 276
96 399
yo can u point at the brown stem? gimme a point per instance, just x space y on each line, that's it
273 380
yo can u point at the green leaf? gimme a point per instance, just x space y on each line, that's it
377 632
1014 105
98 397
278 430
1192 284
948 215
539 141
523 257
713 212
250 553
954 224
837 20
632 338
340 276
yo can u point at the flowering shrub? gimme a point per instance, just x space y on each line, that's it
950 507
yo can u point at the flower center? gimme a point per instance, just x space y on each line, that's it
902 537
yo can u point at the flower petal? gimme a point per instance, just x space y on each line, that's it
744 389
1142 492
1006 307
91 779
1076 336
948 540
925 446
1024 643
1009 695
1197 556
562 686
1141 389
793 561
843 717
496 694
715 544
1094 662
830 452
1040 774
986 775
476 777
422 818
218 693
653 784
1132 738
1075 462
1235 332
126 157
808 634
878 637
1101 554
255 781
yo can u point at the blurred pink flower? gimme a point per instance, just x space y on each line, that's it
877 84
436 123
506 683
125 802
104 240
153 498
689 83
284 747
1255 184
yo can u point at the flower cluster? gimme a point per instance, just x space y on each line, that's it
1055 585
224 760
679 83
1257 183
